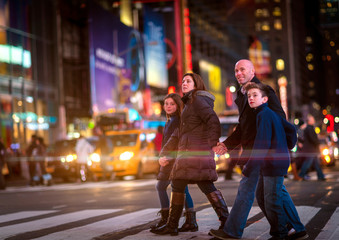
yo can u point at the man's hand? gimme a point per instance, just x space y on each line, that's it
163 161
220 149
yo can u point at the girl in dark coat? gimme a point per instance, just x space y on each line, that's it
173 107
198 133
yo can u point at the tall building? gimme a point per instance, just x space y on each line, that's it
28 80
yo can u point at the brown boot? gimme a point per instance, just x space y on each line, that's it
171 227
190 224
164 216
219 206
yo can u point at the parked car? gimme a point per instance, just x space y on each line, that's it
133 154
61 159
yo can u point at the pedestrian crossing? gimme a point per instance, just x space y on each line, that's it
57 225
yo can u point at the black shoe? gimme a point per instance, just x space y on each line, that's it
220 234
276 238
298 236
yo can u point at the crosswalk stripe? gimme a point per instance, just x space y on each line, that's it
206 219
261 228
331 229
16 229
22 215
87 185
90 231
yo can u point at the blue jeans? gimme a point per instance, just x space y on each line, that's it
236 221
277 205
307 164
164 200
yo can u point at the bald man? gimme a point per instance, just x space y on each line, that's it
244 135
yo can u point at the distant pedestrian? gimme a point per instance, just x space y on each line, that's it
310 150
83 149
2 164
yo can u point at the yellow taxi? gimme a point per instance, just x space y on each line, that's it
132 154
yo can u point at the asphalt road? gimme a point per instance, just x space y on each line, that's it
123 209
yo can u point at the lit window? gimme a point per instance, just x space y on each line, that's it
277 12
308 40
277 24
310 67
265 13
280 64
309 57
265 26
258 26
258 12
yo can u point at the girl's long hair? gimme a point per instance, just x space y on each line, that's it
180 105
198 83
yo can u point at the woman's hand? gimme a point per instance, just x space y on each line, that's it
163 161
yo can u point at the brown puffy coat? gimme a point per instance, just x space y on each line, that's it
199 131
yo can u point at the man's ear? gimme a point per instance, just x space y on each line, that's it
265 99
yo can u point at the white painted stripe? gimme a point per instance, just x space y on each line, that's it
261 228
89 185
12 230
331 229
90 231
22 215
206 219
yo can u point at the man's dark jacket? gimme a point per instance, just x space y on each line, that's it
245 131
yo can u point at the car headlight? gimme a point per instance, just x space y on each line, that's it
95 157
126 156
336 152
325 151
71 157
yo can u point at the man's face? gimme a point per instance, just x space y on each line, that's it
243 72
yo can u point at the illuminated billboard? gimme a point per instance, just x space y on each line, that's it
116 61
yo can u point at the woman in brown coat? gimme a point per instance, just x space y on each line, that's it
198 133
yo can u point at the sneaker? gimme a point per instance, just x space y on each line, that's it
298 236
220 234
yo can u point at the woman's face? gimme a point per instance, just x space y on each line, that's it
187 84
169 106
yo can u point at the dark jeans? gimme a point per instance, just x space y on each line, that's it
33 165
205 186
164 200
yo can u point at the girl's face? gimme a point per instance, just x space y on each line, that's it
255 98
187 84
170 106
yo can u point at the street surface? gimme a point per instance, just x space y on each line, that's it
126 209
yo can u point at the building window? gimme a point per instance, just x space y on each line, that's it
277 24
265 26
309 40
262 12
276 12
280 65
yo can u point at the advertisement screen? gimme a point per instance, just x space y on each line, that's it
114 61
155 49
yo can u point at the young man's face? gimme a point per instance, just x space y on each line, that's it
255 98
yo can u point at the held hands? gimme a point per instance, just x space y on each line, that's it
220 149
163 161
